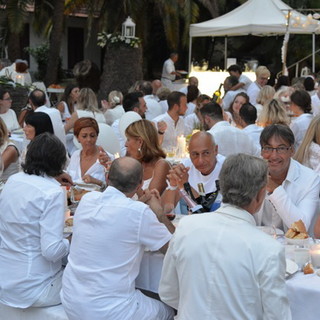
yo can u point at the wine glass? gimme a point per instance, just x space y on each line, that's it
168 210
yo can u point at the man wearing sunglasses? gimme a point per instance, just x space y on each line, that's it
292 189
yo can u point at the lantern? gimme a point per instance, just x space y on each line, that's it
128 28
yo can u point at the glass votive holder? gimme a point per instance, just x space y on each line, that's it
315 255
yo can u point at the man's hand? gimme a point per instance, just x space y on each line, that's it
64 179
178 175
162 126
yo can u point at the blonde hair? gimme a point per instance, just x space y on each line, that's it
3 132
273 113
87 100
265 95
115 98
262 71
312 135
150 148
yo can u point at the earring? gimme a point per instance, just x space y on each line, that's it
139 150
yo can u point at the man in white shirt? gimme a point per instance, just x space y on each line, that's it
230 93
111 232
203 166
248 115
315 102
262 77
169 71
244 81
230 140
154 109
31 224
219 265
37 100
133 101
293 189
177 104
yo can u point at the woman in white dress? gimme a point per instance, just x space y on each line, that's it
84 166
308 153
87 106
113 107
143 144
9 153
6 113
68 101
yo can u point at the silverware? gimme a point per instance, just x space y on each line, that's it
290 275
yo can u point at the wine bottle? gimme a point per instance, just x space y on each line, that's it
217 94
202 193
192 205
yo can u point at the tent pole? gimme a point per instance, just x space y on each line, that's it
190 49
225 52
313 52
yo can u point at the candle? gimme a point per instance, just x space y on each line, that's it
315 255
116 155
181 146
20 79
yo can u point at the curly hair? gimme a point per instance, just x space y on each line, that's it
150 148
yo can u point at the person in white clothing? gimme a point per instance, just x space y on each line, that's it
154 109
308 153
169 72
37 100
68 101
6 113
9 154
193 81
230 94
203 166
32 206
113 107
177 102
242 273
293 189
315 102
243 81
301 110
262 77
132 101
248 116
99 280
230 140
192 96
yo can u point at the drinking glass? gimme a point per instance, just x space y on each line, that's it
168 210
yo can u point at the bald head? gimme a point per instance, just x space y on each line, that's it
203 152
37 98
125 174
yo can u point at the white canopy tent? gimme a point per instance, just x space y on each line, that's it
259 18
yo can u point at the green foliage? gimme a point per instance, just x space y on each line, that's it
41 55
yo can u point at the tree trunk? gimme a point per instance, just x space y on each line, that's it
122 68
14 49
55 43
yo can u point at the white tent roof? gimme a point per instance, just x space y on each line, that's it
256 17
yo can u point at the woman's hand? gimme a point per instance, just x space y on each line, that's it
104 158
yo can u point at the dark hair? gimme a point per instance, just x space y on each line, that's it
66 96
40 121
302 99
193 93
125 174
37 97
46 155
282 81
248 113
3 91
146 87
276 130
85 122
131 101
235 68
308 83
240 94
232 80
213 110
174 98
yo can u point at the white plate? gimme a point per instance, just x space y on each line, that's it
88 186
297 242
291 267
183 72
269 230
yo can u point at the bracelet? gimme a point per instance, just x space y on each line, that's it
169 187
160 132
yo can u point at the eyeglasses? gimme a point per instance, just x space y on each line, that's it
279 150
